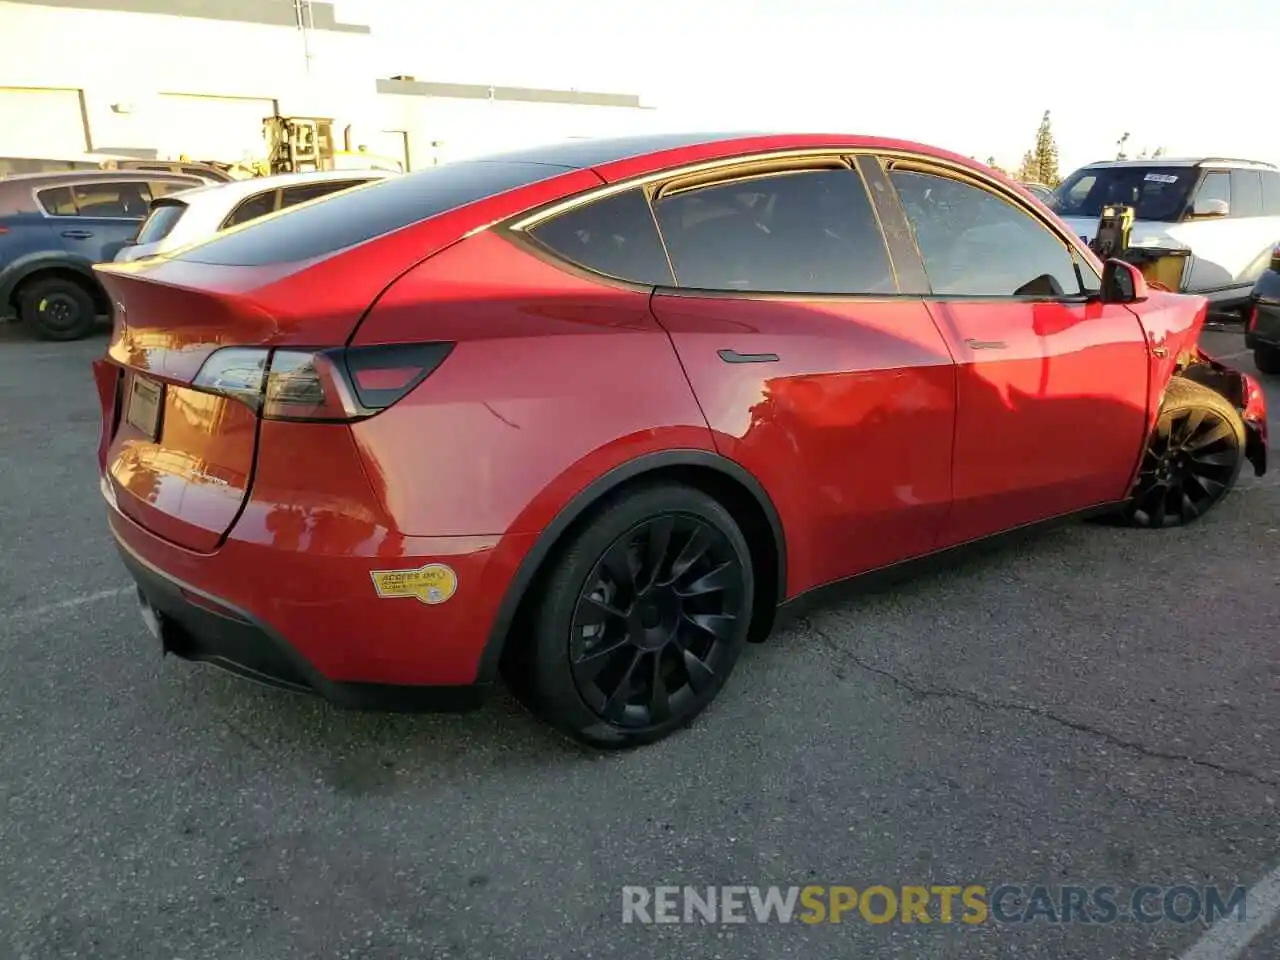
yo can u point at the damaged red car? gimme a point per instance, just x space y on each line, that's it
588 416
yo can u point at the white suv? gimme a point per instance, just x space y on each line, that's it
193 215
1226 212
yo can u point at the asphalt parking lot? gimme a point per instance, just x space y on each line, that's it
1090 707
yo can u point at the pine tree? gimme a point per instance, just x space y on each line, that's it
1046 154
1029 170
1158 153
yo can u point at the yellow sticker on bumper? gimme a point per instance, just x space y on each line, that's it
433 583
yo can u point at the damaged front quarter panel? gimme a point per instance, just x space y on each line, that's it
1243 392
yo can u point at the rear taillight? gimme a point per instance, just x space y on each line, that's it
341 384
1252 323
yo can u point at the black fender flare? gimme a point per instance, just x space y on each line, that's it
586 498
17 271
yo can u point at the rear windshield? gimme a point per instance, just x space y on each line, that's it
161 221
1155 192
349 217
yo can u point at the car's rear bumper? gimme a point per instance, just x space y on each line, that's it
318 623
196 626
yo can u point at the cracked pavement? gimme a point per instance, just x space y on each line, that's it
1084 706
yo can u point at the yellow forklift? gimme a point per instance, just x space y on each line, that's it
303 144
1163 267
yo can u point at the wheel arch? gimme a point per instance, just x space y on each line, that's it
719 477
23 273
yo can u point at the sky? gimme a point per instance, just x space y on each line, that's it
972 76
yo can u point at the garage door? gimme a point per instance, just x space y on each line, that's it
212 128
41 122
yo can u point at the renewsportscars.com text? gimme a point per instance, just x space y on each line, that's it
968 904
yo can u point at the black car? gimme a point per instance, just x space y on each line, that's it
55 226
1262 327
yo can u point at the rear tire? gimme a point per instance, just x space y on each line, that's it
642 617
1192 459
1267 359
56 308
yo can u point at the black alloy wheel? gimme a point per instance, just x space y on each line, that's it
1192 459
652 624
642 617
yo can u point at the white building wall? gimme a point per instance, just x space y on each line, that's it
126 68
124 61
441 129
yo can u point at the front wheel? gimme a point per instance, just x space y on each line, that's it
643 617
1192 459
1266 358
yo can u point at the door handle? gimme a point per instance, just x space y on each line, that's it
78 234
986 344
733 356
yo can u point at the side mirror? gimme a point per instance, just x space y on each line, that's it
1123 283
1211 207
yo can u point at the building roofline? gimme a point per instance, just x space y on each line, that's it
480 91
320 15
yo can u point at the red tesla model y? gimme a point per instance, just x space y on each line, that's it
588 415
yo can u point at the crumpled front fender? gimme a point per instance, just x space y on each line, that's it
1244 393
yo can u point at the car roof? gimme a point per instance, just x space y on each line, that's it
60 176
1186 162
592 152
232 192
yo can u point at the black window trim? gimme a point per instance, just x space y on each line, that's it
36 192
908 163
904 261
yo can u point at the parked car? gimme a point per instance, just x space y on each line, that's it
590 413
193 215
209 172
54 227
1040 191
1226 212
1262 331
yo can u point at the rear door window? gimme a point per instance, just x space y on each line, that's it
1246 193
811 231
976 244
614 236
114 200
164 188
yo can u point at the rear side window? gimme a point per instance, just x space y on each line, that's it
160 223
117 200
355 216
804 232
975 244
1246 193
292 196
615 236
1271 193
259 205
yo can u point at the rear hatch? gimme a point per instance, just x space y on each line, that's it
164 216
253 324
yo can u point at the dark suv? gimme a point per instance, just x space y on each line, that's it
54 227
1262 319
